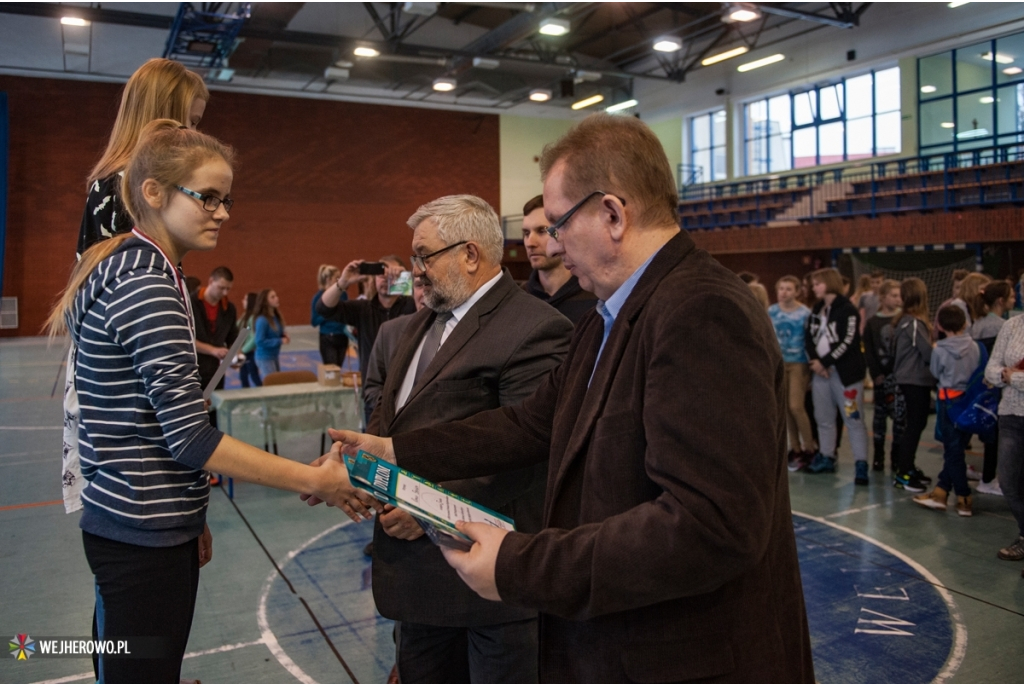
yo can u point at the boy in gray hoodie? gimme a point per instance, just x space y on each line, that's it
954 360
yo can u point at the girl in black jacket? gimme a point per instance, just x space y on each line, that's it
833 346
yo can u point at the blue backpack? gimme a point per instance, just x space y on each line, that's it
977 410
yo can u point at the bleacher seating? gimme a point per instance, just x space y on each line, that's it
941 182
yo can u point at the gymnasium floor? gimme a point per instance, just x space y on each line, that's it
895 593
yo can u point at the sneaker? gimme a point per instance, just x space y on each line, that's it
908 482
990 488
821 464
972 473
919 474
1014 551
963 505
936 499
796 461
862 473
878 464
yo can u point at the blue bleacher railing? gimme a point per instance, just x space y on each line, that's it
941 182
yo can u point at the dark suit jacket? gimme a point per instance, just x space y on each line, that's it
221 335
668 552
497 354
380 357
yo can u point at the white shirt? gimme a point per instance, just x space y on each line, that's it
457 314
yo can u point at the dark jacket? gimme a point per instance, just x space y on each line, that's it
912 358
384 347
878 333
843 331
571 299
497 355
366 316
223 334
668 552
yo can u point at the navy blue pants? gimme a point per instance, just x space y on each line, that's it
143 592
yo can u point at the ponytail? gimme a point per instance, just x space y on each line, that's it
56 322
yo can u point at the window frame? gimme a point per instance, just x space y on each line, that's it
818 121
713 144
991 90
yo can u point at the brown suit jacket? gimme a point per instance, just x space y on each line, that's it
668 552
496 356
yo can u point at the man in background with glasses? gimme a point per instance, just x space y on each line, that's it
480 342
668 552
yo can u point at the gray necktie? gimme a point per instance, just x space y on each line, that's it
431 344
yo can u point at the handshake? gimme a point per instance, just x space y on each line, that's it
475 567
358 504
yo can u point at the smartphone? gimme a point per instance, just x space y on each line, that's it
371 268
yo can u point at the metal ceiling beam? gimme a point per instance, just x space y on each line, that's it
848 22
250 30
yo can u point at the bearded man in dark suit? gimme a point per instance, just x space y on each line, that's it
668 551
479 343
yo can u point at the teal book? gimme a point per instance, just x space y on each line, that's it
435 508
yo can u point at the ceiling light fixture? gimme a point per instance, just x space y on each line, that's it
582 75
364 51
73 21
621 106
1012 71
741 11
540 95
763 62
668 44
587 102
445 84
336 74
554 27
947 124
722 56
485 63
928 89
957 3
974 133
1000 57
987 100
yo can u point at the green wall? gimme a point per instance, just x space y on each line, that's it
670 133
522 139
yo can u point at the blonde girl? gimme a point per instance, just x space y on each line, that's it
159 89
144 435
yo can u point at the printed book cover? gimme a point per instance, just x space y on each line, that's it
436 509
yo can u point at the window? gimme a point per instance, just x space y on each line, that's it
972 97
853 119
707 146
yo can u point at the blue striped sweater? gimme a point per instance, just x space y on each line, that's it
144 433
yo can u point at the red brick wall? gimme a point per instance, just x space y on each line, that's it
317 181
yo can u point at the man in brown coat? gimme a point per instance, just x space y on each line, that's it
668 551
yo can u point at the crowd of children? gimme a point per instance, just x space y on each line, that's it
970 355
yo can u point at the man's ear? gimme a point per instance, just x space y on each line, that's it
153 193
613 213
473 256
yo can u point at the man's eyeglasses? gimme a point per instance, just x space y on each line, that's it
420 261
554 228
210 202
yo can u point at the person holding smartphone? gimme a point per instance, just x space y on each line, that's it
366 316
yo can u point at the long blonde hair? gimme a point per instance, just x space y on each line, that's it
168 153
159 89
